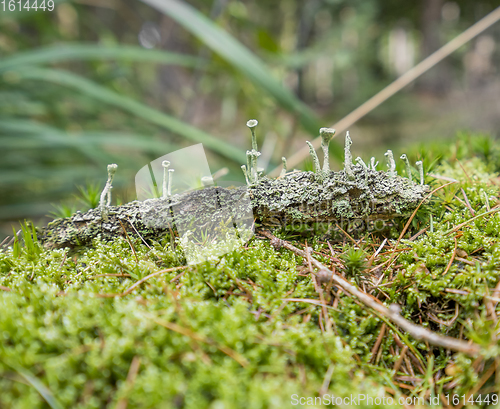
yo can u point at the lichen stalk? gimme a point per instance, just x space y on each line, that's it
255 170
106 192
249 166
420 167
312 152
326 136
206 181
348 157
407 163
373 165
391 164
360 161
283 171
165 165
244 169
169 182
252 123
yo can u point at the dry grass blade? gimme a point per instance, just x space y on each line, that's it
132 374
378 342
458 227
128 241
138 283
398 363
452 257
197 337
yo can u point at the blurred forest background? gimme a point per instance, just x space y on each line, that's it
126 81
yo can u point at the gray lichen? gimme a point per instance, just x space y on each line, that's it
300 198
105 199
391 164
283 171
314 156
295 199
408 167
326 136
348 156
165 165
420 167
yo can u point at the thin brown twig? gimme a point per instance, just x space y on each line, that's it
132 374
138 283
458 227
197 337
378 342
489 305
452 258
478 385
418 234
416 361
142 238
467 203
326 381
392 313
400 360
4 241
445 323
465 172
129 241
319 290
347 235
109 275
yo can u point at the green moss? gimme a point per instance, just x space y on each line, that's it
226 333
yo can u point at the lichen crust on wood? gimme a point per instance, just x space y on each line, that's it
303 197
296 198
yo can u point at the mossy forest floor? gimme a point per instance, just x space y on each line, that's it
92 329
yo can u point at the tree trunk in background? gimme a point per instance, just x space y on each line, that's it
437 80
306 13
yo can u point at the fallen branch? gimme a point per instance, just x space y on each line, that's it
392 313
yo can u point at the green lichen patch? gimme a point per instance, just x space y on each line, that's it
333 196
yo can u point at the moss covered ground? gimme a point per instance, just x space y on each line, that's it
123 324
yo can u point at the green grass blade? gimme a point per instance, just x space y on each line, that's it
237 55
136 108
38 385
67 52
22 134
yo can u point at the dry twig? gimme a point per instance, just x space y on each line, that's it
392 313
